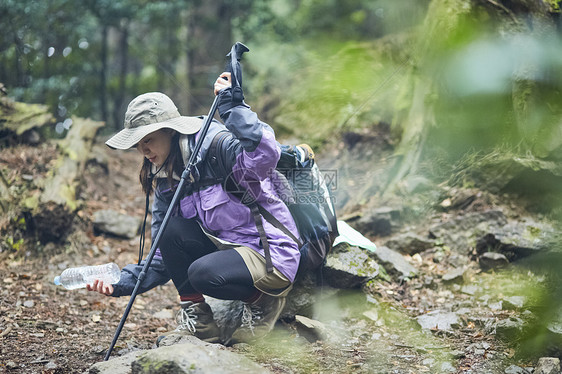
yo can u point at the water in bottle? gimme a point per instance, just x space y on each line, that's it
81 276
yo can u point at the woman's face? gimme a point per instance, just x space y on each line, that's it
156 146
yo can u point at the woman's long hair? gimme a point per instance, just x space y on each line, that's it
174 163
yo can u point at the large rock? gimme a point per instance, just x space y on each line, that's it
506 172
116 365
462 232
349 268
516 240
394 263
409 243
114 223
179 359
378 221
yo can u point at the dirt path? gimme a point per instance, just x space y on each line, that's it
49 329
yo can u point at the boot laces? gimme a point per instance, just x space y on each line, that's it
250 315
186 318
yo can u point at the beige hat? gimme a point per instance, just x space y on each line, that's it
150 112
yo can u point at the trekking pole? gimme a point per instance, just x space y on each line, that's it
179 190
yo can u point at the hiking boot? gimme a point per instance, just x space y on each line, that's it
259 318
196 319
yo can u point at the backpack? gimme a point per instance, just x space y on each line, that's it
302 187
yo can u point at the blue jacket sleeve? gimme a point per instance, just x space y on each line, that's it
156 275
162 198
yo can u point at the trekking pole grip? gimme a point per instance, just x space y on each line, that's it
233 66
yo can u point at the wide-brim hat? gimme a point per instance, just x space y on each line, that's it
150 112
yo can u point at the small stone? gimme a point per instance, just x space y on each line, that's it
50 365
11 365
479 352
438 320
513 303
99 349
410 243
492 260
469 289
447 367
29 303
115 223
428 362
310 329
164 314
509 329
496 306
514 369
455 275
548 365
457 354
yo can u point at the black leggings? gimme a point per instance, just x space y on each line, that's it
196 266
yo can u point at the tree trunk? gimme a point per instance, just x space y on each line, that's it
49 207
103 73
416 117
52 217
527 82
19 69
206 50
118 109
527 23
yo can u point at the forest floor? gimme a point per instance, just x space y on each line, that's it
48 329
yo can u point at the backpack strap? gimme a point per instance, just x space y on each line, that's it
277 224
258 212
254 207
213 155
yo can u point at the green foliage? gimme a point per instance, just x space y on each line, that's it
554 5
334 87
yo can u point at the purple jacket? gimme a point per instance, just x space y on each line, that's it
251 155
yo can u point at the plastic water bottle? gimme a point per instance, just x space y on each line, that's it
81 276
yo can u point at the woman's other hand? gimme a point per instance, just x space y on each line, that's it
222 82
98 286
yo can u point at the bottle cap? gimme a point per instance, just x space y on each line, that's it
57 280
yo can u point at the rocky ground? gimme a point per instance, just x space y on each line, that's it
440 304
